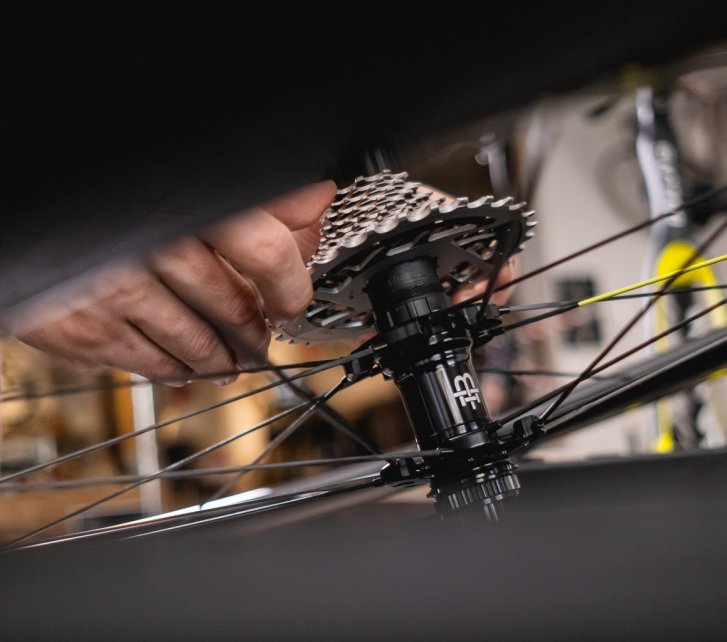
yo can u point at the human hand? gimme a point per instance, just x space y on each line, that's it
200 305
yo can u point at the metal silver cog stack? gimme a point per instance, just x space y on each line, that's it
371 204
385 219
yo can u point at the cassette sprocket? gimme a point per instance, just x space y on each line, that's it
382 220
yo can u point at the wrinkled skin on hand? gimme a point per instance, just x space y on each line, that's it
199 305
202 304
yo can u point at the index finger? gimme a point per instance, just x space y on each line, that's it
303 207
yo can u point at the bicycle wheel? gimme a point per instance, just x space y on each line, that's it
357 533
562 413
389 256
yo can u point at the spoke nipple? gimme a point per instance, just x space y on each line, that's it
528 427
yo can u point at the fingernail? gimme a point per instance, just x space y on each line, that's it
224 381
177 384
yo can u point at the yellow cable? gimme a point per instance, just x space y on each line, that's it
656 279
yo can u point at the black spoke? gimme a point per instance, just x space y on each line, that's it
503 255
608 364
18 393
617 297
540 317
192 413
561 307
177 464
328 414
225 470
316 404
616 237
645 295
594 246
509 372
634 320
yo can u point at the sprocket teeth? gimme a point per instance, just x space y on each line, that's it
503 201
419 214
355 241
473 205
365 216
448 208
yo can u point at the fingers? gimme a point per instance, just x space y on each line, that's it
94 337
147 359
206 283
303 207
166 321
301 211
308 240
264 250
200 305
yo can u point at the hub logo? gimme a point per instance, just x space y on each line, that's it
466 391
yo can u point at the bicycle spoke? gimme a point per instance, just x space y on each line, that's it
539 317
503 255
616 237
538 373
561 307
281 437
17 394
554 393
192 413
634 320
673 291
595 246
224 470
669 278
328 414
604 298
177 464
317 404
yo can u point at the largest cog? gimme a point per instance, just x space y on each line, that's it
385 219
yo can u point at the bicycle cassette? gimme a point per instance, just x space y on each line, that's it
383 220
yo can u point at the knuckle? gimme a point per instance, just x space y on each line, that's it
262 347
201 346
273 250
256 353
88 335
132 295
241 311
162 367
298 301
